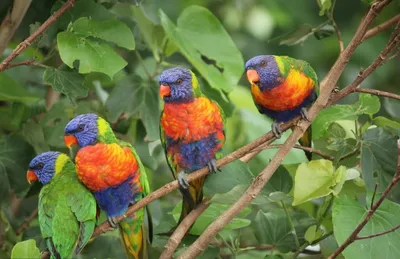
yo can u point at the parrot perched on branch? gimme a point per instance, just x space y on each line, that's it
67 210
112 170
192 132
283 88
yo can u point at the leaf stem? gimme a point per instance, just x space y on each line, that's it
227 244
293 230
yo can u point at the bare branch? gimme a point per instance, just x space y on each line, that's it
184 226
28 41
27 222
377 92
381 27
327 86
22 63
12 21
378 234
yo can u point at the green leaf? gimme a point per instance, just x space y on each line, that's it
153 34
92 56
272 228
202 39
312 233
33 134
379 159
109 30
324 6
317 179
231 196
54 123
25 249
209 216
281 181
69 83
324 32
387 124
301 34
11 90
238 172
136 97
367 104
348 213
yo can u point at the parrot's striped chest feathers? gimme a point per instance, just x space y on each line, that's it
106 165
192 121
290 94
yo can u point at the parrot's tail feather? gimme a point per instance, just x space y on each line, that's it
132 237
196 195
305 141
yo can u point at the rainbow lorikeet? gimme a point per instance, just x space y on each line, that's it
192 131
112 170
283 88
67 210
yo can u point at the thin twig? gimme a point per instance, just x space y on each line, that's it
335 27
22 63
184 226
308 149
327 86
23 45
377 92
291 224
27 222
381 27
378 234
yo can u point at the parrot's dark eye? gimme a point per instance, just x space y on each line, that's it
179 81
39 166
263 63
81 127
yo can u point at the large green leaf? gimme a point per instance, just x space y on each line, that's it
273 228
25 250
347 214
136 97
33 134
92 56
317 178
15 155
11 90
209 216
379 159
202 39
367 104
110 30
69 83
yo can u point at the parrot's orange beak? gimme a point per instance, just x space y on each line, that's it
252 76
165 90
70 140
31 176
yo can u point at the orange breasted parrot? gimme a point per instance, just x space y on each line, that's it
192 132
67 210
112 170
283 88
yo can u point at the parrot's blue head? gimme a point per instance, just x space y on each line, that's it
43 167
82 130
263 71
178 85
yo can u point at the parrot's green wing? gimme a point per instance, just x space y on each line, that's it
67 214
306 68
145 185
169 158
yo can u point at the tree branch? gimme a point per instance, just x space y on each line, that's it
327 86
377 92
184 226
28 41
27 222
12 21
381 27
378 234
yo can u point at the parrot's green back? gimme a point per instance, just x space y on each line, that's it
67 213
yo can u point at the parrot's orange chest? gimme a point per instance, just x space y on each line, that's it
105 165
288 95
191 121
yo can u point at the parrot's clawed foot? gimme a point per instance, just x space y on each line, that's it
276 129
183 182
212 166
111 221
304 114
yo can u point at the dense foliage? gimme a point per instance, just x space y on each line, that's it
104 57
